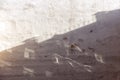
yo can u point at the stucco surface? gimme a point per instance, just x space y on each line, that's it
23 19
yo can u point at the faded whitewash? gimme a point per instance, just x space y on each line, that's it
22 19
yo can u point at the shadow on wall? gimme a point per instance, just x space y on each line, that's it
87 53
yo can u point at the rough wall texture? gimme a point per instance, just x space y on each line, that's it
22 19
88 47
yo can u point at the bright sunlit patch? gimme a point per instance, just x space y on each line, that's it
2 27
3 31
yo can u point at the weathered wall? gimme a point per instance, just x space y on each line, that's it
22 19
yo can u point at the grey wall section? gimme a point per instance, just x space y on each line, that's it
91 52
22 19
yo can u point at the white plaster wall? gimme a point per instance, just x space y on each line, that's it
22 19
